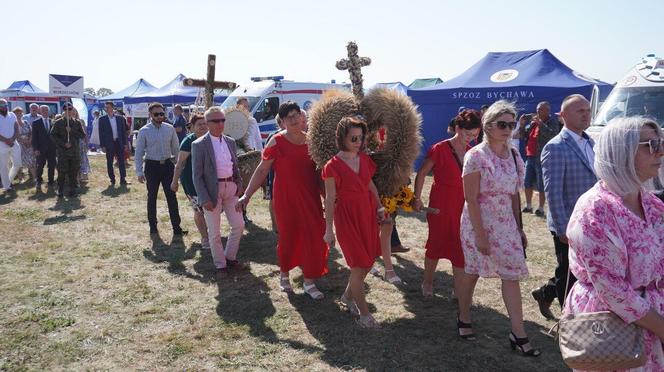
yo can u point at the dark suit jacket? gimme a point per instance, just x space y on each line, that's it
204 168
106 132
41 139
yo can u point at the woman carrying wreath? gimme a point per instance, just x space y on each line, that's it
352 202
297 202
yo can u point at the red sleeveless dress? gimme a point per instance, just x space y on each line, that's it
298 209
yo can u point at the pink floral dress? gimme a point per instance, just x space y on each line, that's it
614 254
499 180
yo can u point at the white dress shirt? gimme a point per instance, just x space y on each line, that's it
584 145
254 136
222 157
114 126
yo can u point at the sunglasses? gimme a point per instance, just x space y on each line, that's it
68 108
655 145
354 139
218 121
505 124
159 114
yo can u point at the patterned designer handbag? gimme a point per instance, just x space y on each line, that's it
599 341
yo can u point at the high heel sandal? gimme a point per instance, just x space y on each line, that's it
368 322
350 304
468 336
520 342
394 279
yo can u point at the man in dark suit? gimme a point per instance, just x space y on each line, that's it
218 184
179 123
44 148
113 141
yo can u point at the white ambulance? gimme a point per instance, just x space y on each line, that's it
641 92
265 94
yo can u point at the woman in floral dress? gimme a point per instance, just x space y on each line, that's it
492 237
616 235
28 159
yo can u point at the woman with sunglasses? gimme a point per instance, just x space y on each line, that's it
352 201
492 237
616 235
445 159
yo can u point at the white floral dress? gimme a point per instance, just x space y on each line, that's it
614 254
499 180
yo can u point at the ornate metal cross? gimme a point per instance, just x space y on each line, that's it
209 83
354 66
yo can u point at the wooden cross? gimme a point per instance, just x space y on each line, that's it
354 66
209 84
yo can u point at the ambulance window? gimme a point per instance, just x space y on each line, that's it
267 110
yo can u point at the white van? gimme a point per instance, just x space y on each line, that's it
266 94
641 92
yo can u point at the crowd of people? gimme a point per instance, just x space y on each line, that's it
605 222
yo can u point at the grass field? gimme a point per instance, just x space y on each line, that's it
84 287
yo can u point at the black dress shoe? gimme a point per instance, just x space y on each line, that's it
544 305
236 265
124 182
527 210
180 232
399 249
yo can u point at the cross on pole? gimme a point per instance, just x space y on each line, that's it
209 83
354 66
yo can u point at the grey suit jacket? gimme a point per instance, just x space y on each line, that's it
204 168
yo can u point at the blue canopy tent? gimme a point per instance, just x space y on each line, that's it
139 87
22 87
170 94
525 77
398 86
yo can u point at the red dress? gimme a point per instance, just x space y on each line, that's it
298 209
355 211
447 195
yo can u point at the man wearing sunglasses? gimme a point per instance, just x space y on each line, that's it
66 134
158 143
568 172
218 184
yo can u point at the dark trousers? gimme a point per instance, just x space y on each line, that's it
44 158
69 165
555 287
394 238
115 150
161 174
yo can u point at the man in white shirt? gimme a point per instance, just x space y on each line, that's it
254 136
218 184
9 131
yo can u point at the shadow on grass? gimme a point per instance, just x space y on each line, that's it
425 340
114 192
175 253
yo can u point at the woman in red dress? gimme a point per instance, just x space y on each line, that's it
352 200
297 202
445 158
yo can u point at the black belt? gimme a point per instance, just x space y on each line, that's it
227 179
157 161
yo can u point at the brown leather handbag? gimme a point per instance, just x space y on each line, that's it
600 341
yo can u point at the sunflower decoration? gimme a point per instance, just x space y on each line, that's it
401 200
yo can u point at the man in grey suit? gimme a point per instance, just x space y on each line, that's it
568 172
218 184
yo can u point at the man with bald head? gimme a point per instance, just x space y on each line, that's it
568 172
44 147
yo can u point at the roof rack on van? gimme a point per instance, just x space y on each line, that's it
263 78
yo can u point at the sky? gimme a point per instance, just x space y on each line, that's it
114 43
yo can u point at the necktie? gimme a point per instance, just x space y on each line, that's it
46 124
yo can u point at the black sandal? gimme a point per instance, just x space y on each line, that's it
519 342
462 325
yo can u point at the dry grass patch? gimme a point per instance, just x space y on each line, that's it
84 287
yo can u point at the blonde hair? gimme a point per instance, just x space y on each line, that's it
616 150
493 112
213 110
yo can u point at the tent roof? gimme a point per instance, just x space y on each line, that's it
530 68
139 87
173 92
398 86
24 86
423 83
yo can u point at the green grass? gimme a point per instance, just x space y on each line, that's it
84 287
